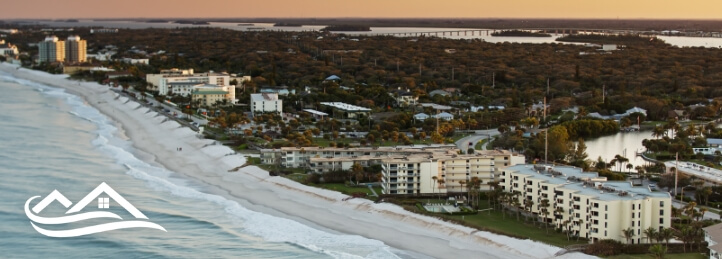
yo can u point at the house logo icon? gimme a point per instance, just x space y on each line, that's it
100 193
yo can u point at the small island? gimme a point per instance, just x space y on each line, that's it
347 28
71 20
610 39
192 22
157 21
518 33
287 24
246 24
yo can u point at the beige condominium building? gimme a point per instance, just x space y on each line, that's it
444 173
405 169
210 95
175 81
76 50
586 204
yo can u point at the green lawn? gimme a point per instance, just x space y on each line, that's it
495 222
668 256
342 188
480 144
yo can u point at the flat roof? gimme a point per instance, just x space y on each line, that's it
346 106
436 106
264 97
575 179
315 112
209 92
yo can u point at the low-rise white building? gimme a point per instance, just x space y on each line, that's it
265 103
586 204
161 82
713 237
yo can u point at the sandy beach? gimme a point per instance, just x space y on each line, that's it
208 163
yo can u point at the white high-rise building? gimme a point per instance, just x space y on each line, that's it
51 50
265 103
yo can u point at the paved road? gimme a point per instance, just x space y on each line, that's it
463 143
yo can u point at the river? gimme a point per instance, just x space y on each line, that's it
678 41
608 146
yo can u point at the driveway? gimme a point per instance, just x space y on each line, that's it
470 141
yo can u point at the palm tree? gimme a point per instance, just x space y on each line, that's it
558 215
650 233
441 182
516 204
581 223
687 235
666 234
658 132
528 204
433 187
657 251
462 182
545 211
628 234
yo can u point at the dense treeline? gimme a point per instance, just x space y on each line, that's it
653 76
611 39
518 33
589 128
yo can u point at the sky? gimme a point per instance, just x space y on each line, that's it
606 9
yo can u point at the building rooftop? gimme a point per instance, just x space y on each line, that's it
436 106
346 107
315 112
587 183
208 92
264 97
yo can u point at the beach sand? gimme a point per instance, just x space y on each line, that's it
252 187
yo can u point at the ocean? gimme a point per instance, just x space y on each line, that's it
53 140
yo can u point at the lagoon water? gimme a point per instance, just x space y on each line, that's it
52 140
679 41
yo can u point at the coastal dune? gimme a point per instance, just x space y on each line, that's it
208 163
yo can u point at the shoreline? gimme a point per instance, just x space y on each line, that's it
253 188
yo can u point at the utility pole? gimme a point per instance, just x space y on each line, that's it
547 86
419 69
676 169
397 65
452 74
604 93
546 135
493 79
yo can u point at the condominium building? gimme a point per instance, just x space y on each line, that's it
51 50
444 173
210 95
264 103
164 81
405 170
301 157
76 50
8 50
586 204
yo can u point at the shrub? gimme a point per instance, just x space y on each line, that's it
604 247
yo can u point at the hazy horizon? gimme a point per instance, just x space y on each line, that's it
243 9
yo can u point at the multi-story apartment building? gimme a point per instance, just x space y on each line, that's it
300 157
209 95
51 50
76 50
405 170
165 81
443 173
586 204
264 103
